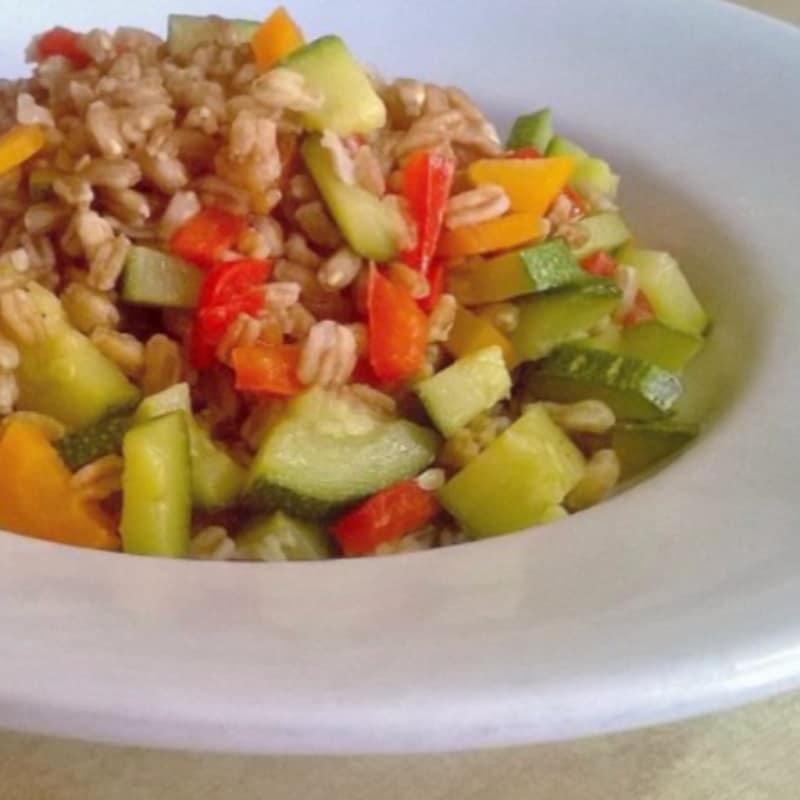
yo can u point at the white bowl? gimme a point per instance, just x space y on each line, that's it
678 597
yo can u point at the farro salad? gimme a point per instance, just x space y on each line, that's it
258 303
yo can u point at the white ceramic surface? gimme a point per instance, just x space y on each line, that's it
678 597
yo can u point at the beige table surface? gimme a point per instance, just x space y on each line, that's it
748 754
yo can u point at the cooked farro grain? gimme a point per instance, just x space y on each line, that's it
107 262
561 210
587 416
21 317
88 309
298 251
329 355
431 479
74 190
103 125
29 112
285 89
574 233
340 270
302 188
342 159
477 205
280 296
317 225
442 319
130 207
112 173
212 544
100 479
163 364
367 171
242 332
125 350
434 131
168 173
45 217
272 232
412 280
602 475
361 335
412 94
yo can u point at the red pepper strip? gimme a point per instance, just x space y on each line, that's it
600 263
205 237
525 152
233 279
62 42
427 181
268 368
642 311
385 517
436 276
398 329
229 289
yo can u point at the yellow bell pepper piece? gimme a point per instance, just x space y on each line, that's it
497 234
276 38
19 144
37 499
471 333
532 184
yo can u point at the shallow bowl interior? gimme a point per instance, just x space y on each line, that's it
674 598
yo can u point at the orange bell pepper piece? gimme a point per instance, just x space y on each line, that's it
531 184
37 499
471 333
276 38
497 234
19 144
268 368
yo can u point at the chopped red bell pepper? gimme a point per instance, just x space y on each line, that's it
427 181
205 237
525 152
385 517
62 42
268 368
641 311
230 280
229 289
398 329
600 263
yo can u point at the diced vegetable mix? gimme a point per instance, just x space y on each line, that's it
300 311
